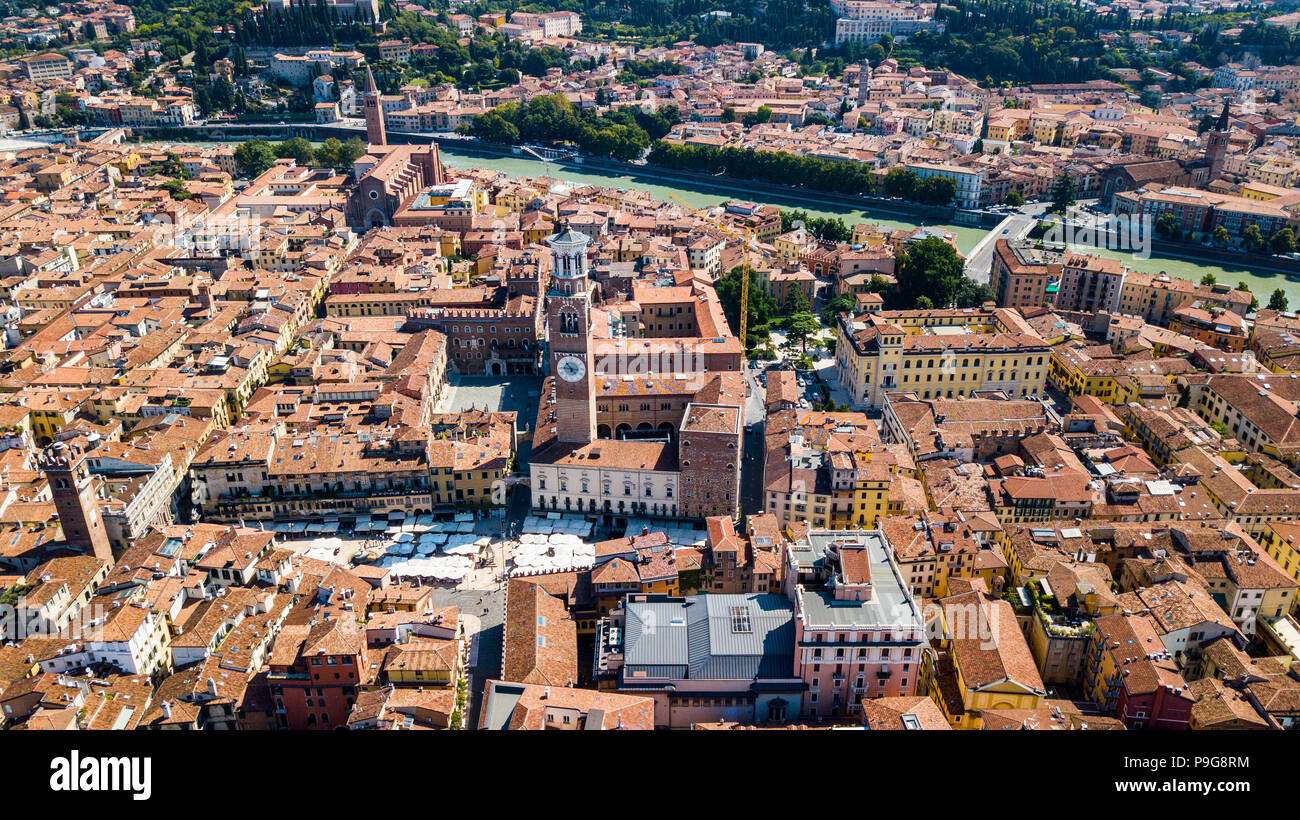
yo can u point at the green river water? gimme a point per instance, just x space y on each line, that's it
1261 283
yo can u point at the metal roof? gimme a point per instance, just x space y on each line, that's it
710 637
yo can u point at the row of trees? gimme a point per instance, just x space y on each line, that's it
906 184
777 23
1282 241
620 134
255 156
809 172
767 166
304 23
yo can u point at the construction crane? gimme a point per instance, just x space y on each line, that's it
748 242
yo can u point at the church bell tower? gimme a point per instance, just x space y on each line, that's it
373 104
1216 143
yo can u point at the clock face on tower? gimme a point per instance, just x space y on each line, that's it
570 368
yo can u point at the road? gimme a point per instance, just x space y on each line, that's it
1017 225
483 612
751 465
979 262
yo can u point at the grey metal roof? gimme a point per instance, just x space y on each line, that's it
501 701
568 236
710 637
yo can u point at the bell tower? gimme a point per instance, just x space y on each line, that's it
374 107
1216 143
568 319
864 83
75 500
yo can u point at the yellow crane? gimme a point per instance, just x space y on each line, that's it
747 240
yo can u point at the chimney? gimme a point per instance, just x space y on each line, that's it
546 693
212 687
167 709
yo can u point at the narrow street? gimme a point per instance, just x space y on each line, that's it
751 466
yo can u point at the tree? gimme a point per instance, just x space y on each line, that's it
176 189
901 182
1278 301
796 302
297 149
1283 241
1063 193
1014 199
1167 227
1222 236
936 190
1252 238
971 294
1209 280
493 127
761 115
930 268
353 149
840 304
801 326
253 157
924 302
1254 301
761 305
728 114
327 155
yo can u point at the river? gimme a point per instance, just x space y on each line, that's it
696 195
1261 283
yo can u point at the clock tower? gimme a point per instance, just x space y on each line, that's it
568 319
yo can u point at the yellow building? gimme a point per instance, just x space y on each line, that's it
1075 374
1279 540
983 661
1007 125
1262 191
53 409
939 354
793 244
423 662
872 493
